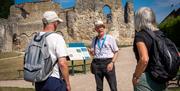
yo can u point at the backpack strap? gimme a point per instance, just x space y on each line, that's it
47 34
60 73
37 37
151 33
96 38
154 39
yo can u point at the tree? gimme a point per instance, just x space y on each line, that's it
5 8
171 27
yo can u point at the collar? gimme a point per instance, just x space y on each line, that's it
103 37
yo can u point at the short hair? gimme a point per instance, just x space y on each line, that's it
145 19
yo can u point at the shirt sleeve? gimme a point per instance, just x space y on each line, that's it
139 37
114 45
60 47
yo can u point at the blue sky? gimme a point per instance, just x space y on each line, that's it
161 7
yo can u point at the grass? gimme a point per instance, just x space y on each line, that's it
15 89
9 54
9 67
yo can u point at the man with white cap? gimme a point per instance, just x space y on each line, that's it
57 50
104 49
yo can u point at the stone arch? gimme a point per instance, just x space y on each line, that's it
20 41
107 11
60 32
24 40
110 3
107 6
114 4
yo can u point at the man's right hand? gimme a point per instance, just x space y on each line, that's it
91 51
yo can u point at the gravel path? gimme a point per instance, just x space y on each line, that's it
125 65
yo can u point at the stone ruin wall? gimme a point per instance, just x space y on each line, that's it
86 12
78 25
5 36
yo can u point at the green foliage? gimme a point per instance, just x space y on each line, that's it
5 8
172 28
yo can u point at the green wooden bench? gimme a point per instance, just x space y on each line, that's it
73 65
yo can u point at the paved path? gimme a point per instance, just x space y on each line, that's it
85 82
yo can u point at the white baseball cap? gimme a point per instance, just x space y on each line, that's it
51 16
98 22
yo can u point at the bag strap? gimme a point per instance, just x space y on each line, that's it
154 38
37 37
151 33
47 34
95 42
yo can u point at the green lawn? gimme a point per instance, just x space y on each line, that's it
9 54
9 68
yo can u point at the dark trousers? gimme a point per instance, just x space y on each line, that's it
100 71
51 84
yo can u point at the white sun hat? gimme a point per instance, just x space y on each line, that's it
51 16
98 22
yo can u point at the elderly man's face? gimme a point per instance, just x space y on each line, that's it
99 29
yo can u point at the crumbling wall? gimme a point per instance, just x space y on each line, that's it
28 21
78 25
5 36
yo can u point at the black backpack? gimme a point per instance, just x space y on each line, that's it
165 60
